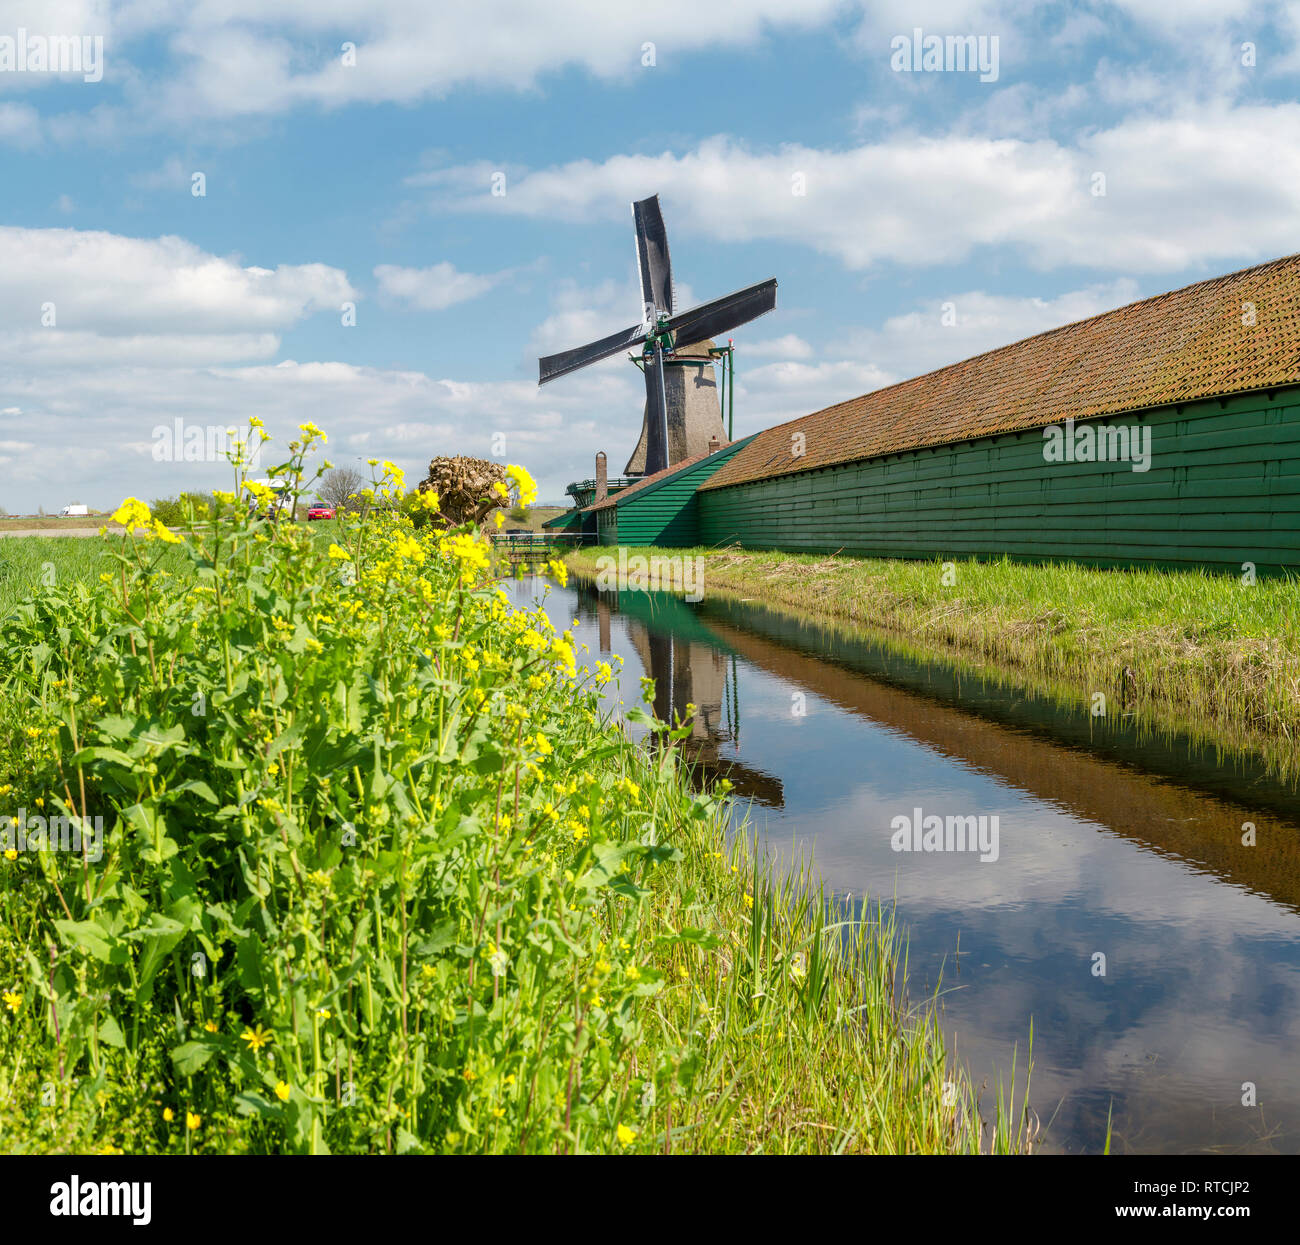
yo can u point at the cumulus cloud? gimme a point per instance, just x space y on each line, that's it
434 288
69 296
407 50
1206 186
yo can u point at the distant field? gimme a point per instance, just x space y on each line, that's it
26 561
11 523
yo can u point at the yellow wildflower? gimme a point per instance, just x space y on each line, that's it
133 515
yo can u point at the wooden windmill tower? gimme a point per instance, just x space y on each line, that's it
682 412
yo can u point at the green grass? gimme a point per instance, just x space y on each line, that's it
540 937
1208 655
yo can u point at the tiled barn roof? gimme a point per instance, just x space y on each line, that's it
1191 343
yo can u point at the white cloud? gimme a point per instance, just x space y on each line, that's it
919 341
435 288
789 346
1207 186
161 299
410 49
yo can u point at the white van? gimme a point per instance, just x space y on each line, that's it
75 512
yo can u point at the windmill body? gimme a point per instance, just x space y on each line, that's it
693 408
682 412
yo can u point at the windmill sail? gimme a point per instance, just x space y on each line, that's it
724 314
653 262
656 414
561 364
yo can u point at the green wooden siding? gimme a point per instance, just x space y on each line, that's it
665 513
1223 488
572 521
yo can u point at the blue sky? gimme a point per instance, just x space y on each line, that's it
370 183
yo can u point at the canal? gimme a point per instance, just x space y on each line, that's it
1140 906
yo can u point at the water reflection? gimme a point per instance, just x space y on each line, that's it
1111 842
688 671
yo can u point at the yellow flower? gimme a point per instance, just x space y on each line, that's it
133 514
210 1026
525 485
11 854
168 1114
282 1090
192 1121
626 1135
256 1038
310 430
165 534
340 555
12 1000
543 744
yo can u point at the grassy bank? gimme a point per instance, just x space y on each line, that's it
1185 651
376 875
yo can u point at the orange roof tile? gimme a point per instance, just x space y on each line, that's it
1191 343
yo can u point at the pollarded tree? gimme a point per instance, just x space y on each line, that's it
467 488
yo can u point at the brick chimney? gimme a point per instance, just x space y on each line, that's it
714 444
602 477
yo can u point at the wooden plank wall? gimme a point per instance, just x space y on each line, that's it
1223 488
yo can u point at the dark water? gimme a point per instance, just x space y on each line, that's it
1108 843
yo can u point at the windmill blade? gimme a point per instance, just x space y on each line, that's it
656 424
583 356
710 320
652 256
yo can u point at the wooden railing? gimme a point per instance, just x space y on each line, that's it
524 545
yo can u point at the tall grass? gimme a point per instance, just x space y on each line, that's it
1190 651
378 876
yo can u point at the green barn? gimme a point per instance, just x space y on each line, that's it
1162 433
661 509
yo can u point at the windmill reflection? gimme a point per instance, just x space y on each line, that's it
687 671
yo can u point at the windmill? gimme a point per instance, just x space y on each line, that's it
661 333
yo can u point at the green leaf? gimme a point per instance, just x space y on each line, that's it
89 937
189 1057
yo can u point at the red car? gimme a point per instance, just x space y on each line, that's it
320 512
